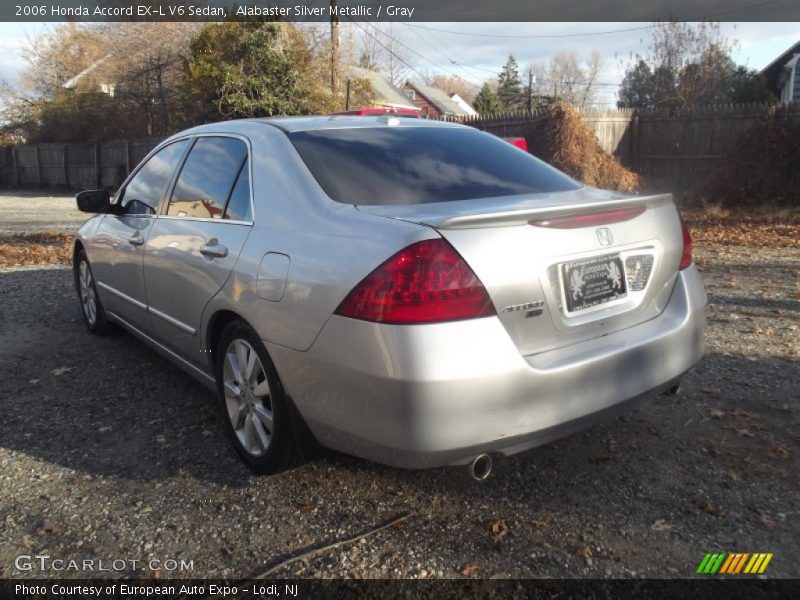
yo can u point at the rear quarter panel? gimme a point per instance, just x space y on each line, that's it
331 247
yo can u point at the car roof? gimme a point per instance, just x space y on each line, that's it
311 123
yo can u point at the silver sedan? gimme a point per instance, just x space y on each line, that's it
413 292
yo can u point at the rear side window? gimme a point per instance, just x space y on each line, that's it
238 208
207 178
418 165
149 185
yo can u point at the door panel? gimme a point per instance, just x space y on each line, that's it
180 279
116 251
193 247
117 247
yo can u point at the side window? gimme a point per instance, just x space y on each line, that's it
148 186
238 208
207 178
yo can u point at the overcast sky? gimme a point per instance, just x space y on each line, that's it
478 57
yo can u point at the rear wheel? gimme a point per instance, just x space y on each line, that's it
253 402
93 314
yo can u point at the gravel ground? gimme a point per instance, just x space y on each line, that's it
109 452
33 212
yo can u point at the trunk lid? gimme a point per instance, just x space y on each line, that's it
558 282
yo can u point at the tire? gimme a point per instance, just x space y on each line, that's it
94 315
253 404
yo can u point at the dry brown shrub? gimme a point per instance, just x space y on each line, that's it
564 140
762 166
46 248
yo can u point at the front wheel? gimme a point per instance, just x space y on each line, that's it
93 314
253 402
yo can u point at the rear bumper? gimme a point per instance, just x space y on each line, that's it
433 395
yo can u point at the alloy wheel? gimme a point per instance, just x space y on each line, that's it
87 291
247 397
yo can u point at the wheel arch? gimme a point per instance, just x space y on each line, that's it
307 443
216 325
77 247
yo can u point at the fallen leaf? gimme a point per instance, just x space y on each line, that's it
60 371
599 460
307 507
717 414
765 521
712 509
778 451
539 524
105 429
470 570
33 381
499 528
50 527
161 439
660 525
584 552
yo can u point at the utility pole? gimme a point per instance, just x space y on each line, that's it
334 49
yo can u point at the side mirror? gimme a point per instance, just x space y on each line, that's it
94 201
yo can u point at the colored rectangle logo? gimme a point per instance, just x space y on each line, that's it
734 563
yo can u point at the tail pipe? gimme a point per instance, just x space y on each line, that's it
480 467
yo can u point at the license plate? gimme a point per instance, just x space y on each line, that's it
592 281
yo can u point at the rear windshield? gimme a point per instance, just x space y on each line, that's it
419 165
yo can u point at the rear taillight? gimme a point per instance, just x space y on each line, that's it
427 282
686 255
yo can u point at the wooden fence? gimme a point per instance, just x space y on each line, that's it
677 147
611 126
79 166
669 145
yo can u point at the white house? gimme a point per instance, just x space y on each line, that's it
464 105
789 81
783 75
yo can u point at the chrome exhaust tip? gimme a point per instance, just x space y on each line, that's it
480 467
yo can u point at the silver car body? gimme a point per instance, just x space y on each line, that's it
406 395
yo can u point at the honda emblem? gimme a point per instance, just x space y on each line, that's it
604 236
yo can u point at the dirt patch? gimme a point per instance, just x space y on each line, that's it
47 248
563 140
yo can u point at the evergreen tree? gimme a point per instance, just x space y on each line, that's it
509 90
244 69
486 101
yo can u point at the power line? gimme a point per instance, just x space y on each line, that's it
528 37
494 72
588 33
396 41
385 47
477 79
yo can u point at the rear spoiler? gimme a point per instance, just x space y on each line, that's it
521 216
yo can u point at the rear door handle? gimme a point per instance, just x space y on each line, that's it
136 239
214 249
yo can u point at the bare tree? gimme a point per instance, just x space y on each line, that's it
566 77
453 84
685 64
382 49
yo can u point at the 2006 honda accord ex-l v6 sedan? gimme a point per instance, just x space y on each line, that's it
413 292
